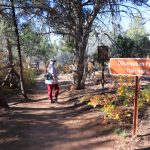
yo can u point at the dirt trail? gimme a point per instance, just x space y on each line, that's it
39 125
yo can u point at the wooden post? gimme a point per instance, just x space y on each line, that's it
103 69
135 111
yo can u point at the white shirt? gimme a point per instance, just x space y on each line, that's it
52 69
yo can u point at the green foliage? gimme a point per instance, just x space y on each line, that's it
67 44
144 97
125 95
125 45
85 98
45 50
35 44
29 75
101 100
121 131
95 100
136 29
133 43
118 106
8 92
108 109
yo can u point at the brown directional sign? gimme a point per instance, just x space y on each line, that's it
130 66
103 52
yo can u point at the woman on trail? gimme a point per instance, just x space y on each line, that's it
52 81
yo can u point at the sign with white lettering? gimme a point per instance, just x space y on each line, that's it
130 66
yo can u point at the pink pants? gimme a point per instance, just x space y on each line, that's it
50 88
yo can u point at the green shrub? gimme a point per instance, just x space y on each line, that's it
144 97
122 132
29 75
4 92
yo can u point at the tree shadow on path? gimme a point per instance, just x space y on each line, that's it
39 125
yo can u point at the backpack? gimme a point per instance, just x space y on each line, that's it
48 76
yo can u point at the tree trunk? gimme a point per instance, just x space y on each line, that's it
80 74
19 52
10 55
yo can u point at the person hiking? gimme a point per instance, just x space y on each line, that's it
52 81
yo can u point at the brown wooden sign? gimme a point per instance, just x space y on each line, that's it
103 53
130 66
133 67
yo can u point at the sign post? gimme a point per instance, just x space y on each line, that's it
103 57
135 111
132 67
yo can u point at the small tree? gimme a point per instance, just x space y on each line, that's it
134 43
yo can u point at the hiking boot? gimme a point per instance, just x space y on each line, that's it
52 101
55 99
